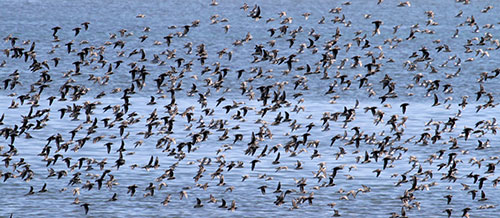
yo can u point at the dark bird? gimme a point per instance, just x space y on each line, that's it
448 211
86 25
253 163
377 27
198 203
436 100
77 30
30 192
223 204
114 197
448 197
55 29
131 189
466 212
86 207
263 189
403 107
44 188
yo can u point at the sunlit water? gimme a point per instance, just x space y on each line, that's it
33 20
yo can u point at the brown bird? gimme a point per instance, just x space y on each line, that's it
233 206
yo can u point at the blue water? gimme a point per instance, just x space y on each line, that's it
31 21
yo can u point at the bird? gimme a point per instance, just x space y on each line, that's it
132 189
77 30
30 192
86 25
448 197
233 206
44 188
86 207
403 107
167 200
377 24
436 100
198 203
223 204
114 197
253 163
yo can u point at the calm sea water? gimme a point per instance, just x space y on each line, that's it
31 21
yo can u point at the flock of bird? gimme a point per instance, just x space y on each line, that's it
251 118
